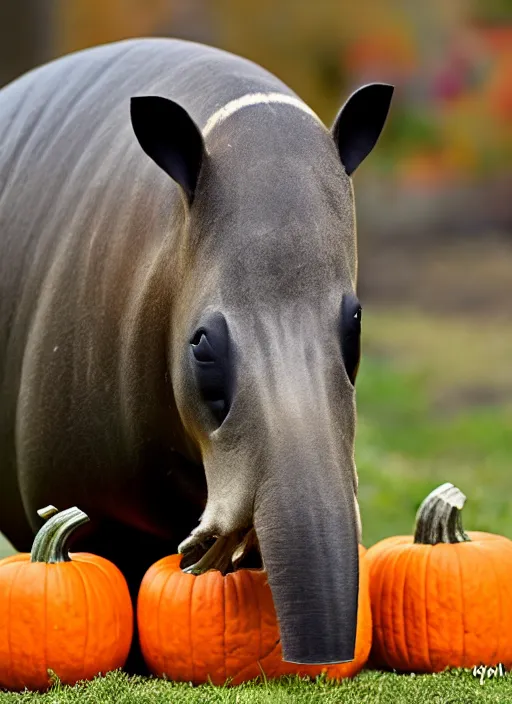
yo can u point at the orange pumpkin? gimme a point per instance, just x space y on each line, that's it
215 626
73 616
441 598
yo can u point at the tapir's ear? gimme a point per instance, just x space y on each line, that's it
359 123
167 133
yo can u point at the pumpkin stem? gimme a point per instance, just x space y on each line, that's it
51 542
439 517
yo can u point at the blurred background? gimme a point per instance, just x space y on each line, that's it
434 205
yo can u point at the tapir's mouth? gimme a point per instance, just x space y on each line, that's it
224 553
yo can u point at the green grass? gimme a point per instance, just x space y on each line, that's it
435 405
371 687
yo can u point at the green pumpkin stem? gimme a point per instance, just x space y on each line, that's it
51 542
439 517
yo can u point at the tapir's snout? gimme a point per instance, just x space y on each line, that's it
307 530
281 460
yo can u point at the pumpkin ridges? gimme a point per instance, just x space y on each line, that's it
270 631
402 637
112 574
377 574
426 562
268 634
7 627
207 629
264 655
265 618
380 609
231 602
411 621
169 588
96 597
111 631
256 601
153 579
463 610
442 613
12 572
466 618
102 607
166 581
391 606
86 611
503 571
187 658
66 586
217 595
25 636
223 636
190 629
64 633
389 620
499 614
123 603
239 624
483 623
45 612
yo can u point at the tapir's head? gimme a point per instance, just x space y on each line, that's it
265 341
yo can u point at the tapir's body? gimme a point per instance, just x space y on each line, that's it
106 269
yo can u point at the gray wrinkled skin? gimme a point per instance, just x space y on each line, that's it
105 273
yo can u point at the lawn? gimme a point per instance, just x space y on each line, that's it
435 405
454 687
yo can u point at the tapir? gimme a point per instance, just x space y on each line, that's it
179 323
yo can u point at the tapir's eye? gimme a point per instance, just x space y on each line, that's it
351 335
210 355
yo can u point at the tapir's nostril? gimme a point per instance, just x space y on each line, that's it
197 337
212 368
202 349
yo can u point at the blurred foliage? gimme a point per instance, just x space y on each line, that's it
409 132
451 63
84 23
492 10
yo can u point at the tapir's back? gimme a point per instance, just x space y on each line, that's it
83 216
69 160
